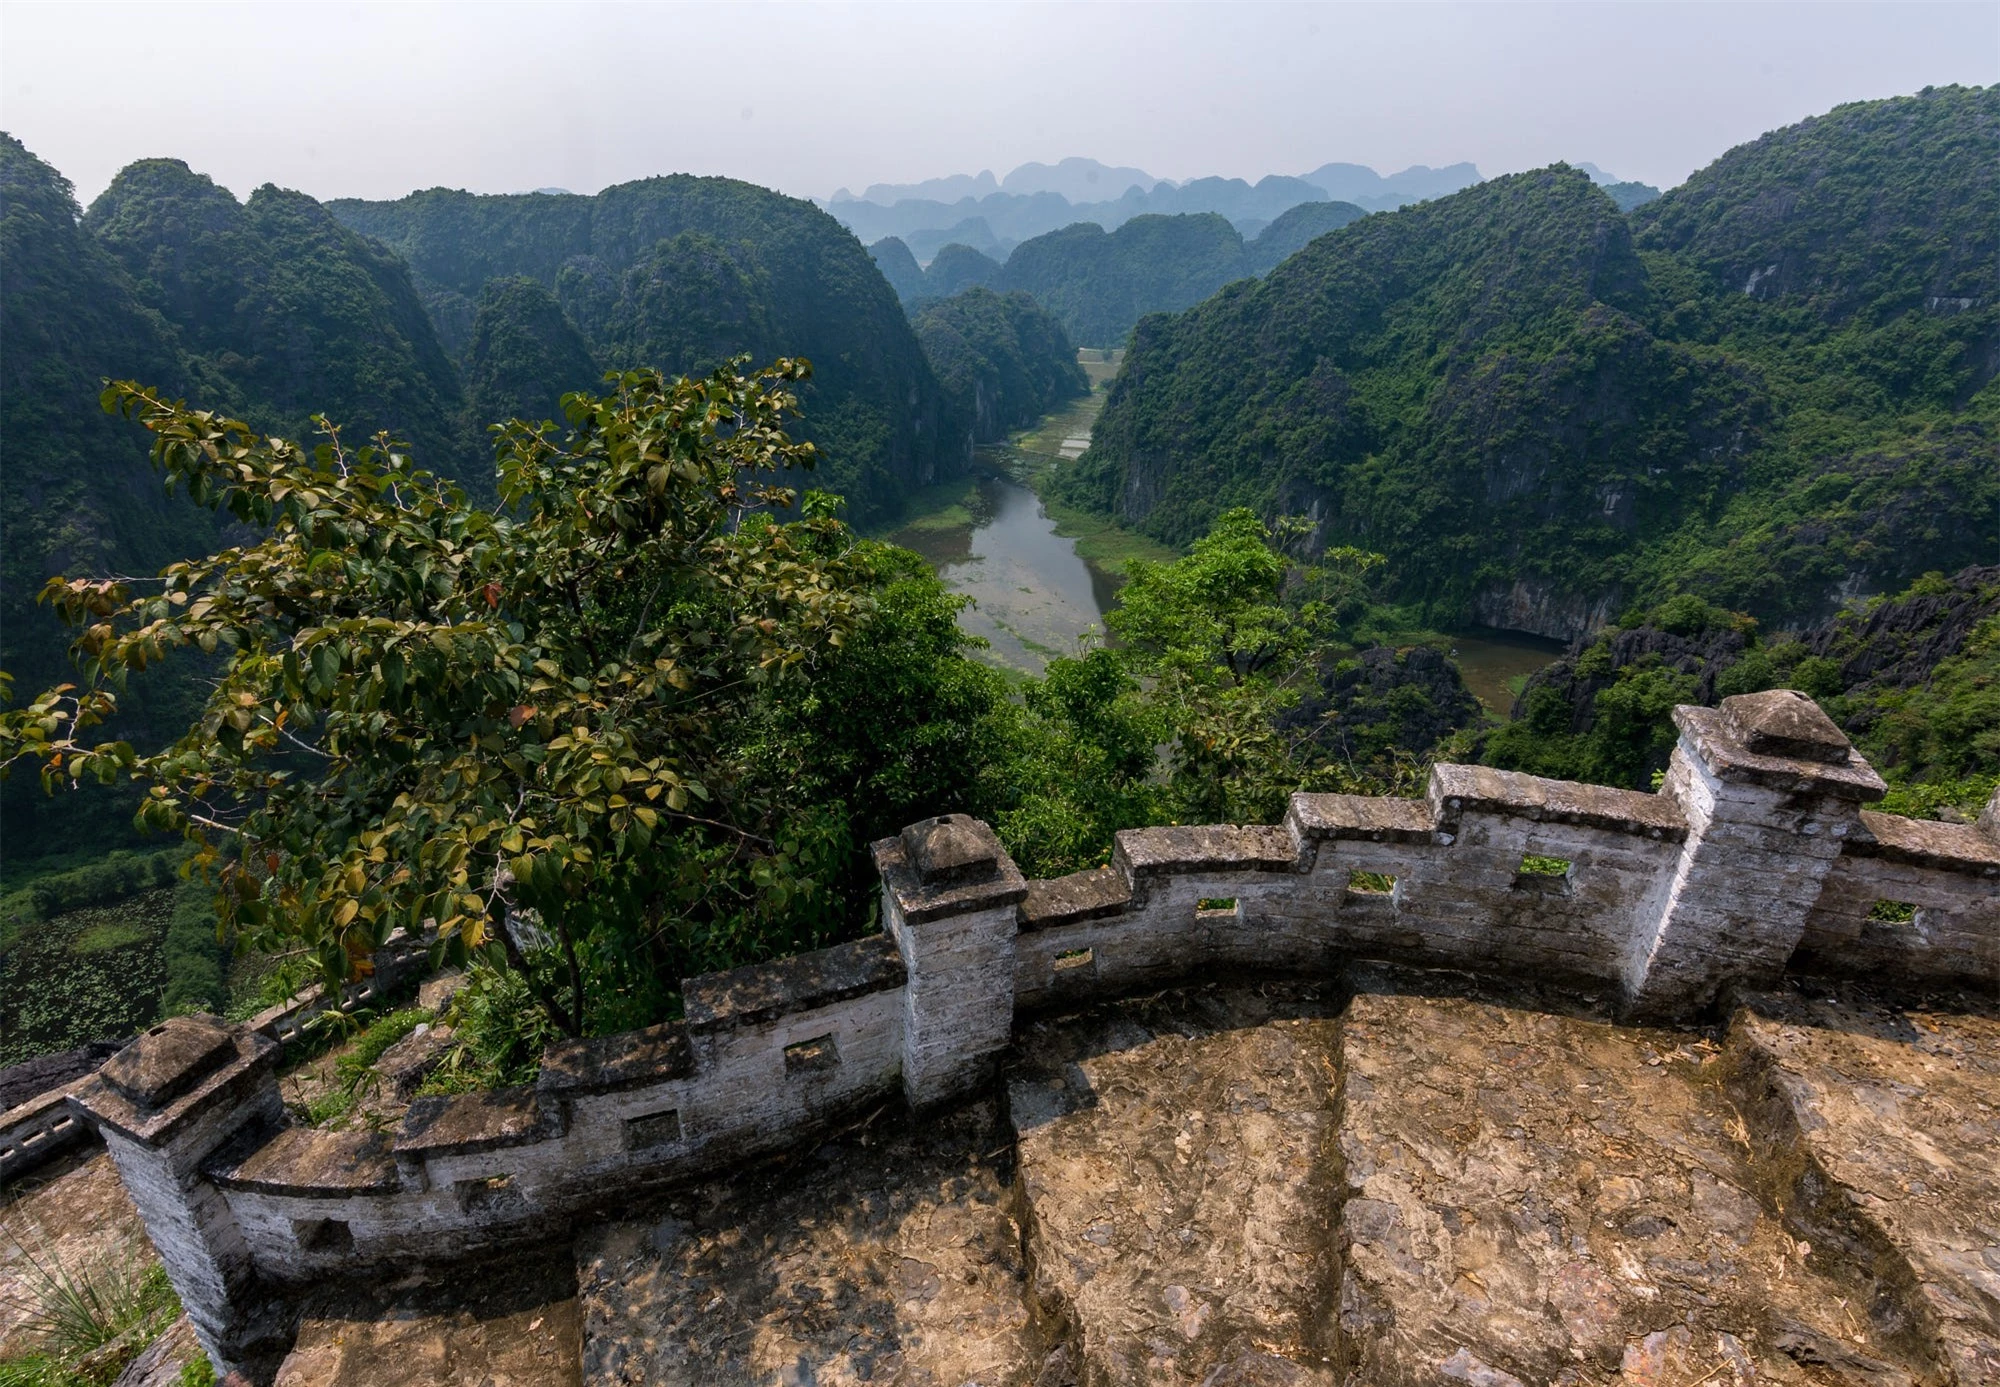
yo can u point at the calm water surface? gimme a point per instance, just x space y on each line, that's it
1490 660
1034 599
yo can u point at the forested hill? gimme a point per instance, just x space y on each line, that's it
1772 387
1003 358
274 309
76 492
1099 283
289 313
679 272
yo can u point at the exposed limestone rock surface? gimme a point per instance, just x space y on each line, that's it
1879 1130
1392 1177
496 1324
1175 1193
1528 1196
885 1256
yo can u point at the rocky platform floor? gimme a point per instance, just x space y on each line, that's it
1401 1179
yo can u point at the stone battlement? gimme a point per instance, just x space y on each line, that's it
1755 857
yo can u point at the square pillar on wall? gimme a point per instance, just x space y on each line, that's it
949 899
165 1104
1770 788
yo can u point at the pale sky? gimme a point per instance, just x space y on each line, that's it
375 100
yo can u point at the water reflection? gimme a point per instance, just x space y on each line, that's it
1034 598
1490 660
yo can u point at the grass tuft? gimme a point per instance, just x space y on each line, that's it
86 1325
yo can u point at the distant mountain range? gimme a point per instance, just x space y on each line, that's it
992 215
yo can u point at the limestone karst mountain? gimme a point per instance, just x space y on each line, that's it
1771 387
673 272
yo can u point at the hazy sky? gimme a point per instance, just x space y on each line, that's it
376 100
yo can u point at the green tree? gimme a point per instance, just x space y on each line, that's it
429 710
1078 763
1226 640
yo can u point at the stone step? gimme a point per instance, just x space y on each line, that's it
1879 1129
1436 1184
508 1322
889 1255
1532 1197
1175 1193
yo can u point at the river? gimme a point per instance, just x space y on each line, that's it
1035 598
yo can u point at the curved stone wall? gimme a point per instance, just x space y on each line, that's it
1756 855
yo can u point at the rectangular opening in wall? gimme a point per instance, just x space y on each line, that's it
811 1056
1890 912
324 1235
1210 903
1072 958
493 1192
1371 883
1549 875
654 1129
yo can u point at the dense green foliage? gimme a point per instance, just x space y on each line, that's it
1630 195
956 268
595 706
75 492
1771 387
1003 360
291 312
1181 722
679 273
101 881
90 973
1454 384
1099 283
1293 231
1914 679
271 309
893 258
524 355
1383 711
196 954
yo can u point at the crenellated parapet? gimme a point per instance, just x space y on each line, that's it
1756 856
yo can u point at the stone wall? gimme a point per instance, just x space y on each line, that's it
1756 855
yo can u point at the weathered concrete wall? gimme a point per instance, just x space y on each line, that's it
1756 854
1950 873
40 1129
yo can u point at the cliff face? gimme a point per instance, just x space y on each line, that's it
1542 608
